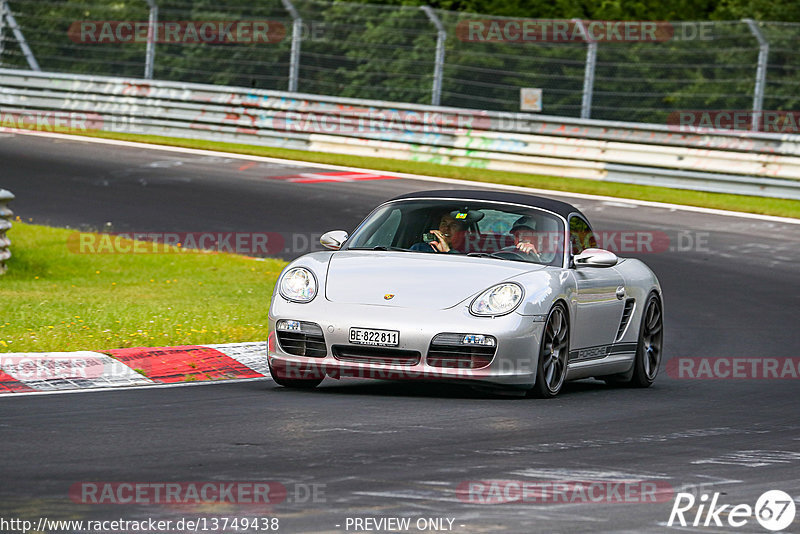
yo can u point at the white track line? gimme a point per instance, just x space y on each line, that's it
453 181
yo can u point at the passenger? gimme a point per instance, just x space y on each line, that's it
448 238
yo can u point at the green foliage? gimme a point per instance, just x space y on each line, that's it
47 25
387 52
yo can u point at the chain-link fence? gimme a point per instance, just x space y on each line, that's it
638 71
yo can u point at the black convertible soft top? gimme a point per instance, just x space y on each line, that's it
556 206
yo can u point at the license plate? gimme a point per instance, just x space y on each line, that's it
369 336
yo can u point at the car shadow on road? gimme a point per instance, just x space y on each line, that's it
398 388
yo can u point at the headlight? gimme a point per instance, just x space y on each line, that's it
299 285
497 300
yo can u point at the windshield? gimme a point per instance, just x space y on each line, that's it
478 228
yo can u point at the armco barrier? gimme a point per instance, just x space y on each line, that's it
5 225
648 154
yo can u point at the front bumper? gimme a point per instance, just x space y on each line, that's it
514 363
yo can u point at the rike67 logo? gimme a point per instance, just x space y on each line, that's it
774 510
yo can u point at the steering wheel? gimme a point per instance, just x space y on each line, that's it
512 254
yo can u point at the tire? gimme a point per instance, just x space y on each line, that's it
551 367
649 348
650 345
294 383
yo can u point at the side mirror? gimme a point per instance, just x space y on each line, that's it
333 239
595 257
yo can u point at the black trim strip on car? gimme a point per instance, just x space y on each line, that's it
600 351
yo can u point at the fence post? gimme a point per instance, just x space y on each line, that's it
152 35
438 69
761 73
588 72
23 44
5 225
297 33
2 29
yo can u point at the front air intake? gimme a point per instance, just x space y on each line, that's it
375 355
461 351
300 338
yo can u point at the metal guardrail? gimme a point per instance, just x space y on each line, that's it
5 226
647 154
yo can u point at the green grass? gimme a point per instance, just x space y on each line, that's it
53 299
751 204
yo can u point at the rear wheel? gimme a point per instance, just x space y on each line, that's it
553 354
648 348
295 383
651 341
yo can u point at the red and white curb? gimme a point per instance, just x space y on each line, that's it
29 372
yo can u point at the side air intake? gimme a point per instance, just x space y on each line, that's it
627 313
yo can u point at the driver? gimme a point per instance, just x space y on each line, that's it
524 232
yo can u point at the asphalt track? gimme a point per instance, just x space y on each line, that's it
386 449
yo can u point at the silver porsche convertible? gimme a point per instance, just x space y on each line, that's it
506 292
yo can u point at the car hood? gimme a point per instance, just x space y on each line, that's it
415 279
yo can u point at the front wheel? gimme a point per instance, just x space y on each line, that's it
551 368
295 383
